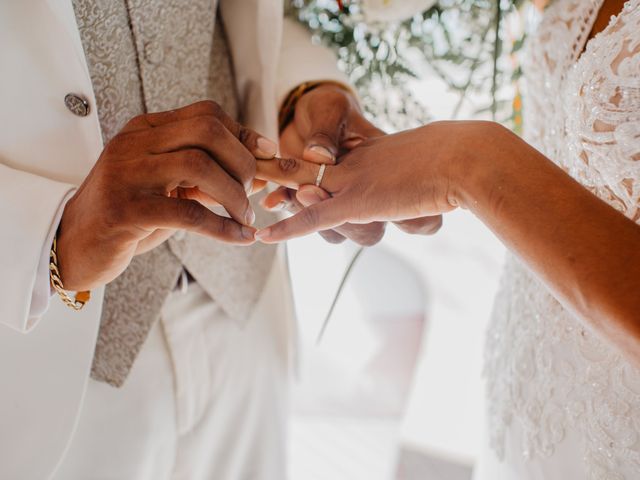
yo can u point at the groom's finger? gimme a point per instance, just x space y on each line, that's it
326 114
321 216
292 172
421 226
259 146
178 213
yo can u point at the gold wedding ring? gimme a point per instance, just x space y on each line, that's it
320 174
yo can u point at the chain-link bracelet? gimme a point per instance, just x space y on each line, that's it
81 298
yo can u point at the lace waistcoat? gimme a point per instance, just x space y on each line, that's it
546 371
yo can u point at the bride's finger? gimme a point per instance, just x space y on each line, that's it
280 199
292 172
286 199
325 215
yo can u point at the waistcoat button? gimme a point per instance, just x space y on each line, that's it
77 104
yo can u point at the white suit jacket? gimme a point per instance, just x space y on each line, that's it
45 152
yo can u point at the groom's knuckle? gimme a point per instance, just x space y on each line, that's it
211 107
337 100
196 162
220 226
227 228
192 213
208 127
246 136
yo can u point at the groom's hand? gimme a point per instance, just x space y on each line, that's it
152 177
328 123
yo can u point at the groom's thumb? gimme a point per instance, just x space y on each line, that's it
323 140
321 148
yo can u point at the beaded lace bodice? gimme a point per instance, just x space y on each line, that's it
547 373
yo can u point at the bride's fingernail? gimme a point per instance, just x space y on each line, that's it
250 216
249 233
275 208
266 148
323 151
263 234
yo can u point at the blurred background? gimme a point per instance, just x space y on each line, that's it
394 389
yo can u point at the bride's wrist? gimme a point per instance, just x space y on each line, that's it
481 164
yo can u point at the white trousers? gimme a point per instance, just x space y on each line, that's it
206 399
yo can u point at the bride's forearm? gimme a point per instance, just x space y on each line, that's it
584 250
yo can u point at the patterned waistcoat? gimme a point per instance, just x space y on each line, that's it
147 56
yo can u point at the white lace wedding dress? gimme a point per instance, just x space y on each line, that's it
562 402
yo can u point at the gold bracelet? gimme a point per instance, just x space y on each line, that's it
81 298
288 109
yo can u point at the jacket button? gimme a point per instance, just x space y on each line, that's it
77 104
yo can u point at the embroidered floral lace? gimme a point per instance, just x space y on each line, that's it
546 371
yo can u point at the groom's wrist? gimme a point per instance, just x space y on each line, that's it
288 107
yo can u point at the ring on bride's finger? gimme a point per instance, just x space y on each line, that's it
320 174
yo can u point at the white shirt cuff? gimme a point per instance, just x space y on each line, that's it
42 291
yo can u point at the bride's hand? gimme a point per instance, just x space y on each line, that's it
393 178
585 251
328 123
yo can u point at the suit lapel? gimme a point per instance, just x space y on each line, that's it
254 28
62 11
